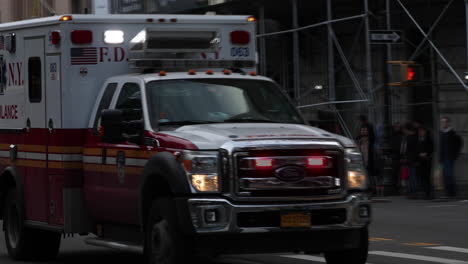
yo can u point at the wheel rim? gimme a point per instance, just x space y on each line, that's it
161 244
12 226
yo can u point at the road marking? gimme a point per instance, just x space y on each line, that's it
421 244
454 249
417 257
440 206
232 260
379 239
308 257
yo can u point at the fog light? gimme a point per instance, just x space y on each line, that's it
363 211
211 216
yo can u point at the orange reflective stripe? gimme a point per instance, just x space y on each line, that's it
31 163
32 148
4 146
92 151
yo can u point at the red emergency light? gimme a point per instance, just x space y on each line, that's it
240 37
264 163
82 36
55 37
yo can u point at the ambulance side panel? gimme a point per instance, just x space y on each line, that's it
47 96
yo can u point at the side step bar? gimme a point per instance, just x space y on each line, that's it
118 245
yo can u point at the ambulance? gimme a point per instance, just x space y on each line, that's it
154 134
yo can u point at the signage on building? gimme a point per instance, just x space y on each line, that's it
128 6
385 36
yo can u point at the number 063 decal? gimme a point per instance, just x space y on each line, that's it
240 52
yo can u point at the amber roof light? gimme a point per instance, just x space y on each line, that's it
251 19
65 18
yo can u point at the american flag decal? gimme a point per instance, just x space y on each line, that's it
83 56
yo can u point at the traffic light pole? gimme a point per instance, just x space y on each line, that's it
386 181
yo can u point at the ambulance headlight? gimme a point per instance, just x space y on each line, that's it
356 172
202 170
113 36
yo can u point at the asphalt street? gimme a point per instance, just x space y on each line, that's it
403 231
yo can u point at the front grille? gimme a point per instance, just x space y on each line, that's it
272 219
305 181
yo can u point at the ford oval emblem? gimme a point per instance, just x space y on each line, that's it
290 173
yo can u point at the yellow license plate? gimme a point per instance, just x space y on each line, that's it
295 220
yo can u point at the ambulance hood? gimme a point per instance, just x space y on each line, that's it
213 136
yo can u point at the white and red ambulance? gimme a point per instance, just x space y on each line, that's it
153 134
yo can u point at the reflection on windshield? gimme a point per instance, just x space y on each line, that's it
181 102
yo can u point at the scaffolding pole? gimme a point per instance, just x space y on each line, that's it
331 55
466 33
296 58
311 26
439 53
262 29
369 70
388 92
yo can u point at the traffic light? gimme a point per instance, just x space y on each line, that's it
410 73
405 73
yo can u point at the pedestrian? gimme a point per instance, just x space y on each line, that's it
425 149
450 146
364 122
366 141
409 150
395 142
363 141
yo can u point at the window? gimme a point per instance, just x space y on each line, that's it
129 102
218 100
3 73
35 79
104 104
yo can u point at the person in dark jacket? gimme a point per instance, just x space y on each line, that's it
395 141
409 150
449 150
425 148
366 133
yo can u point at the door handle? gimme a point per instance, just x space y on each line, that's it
28 125
51 125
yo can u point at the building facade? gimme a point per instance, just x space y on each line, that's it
14 10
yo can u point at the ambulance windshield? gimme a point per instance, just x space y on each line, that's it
200 101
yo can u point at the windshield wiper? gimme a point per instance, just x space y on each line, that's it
249 120
187 122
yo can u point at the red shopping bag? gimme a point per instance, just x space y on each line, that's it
404 173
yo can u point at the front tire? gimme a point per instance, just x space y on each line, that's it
163 242
24 243
351 256
18 238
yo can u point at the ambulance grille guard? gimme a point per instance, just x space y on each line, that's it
314 172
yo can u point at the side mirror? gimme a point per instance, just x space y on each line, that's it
135 130
113 126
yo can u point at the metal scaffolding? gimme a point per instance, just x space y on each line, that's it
365 86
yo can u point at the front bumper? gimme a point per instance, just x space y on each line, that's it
220 216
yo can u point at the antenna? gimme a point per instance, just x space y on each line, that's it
48 7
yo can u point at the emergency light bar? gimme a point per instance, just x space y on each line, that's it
179 50
150 40
183 64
